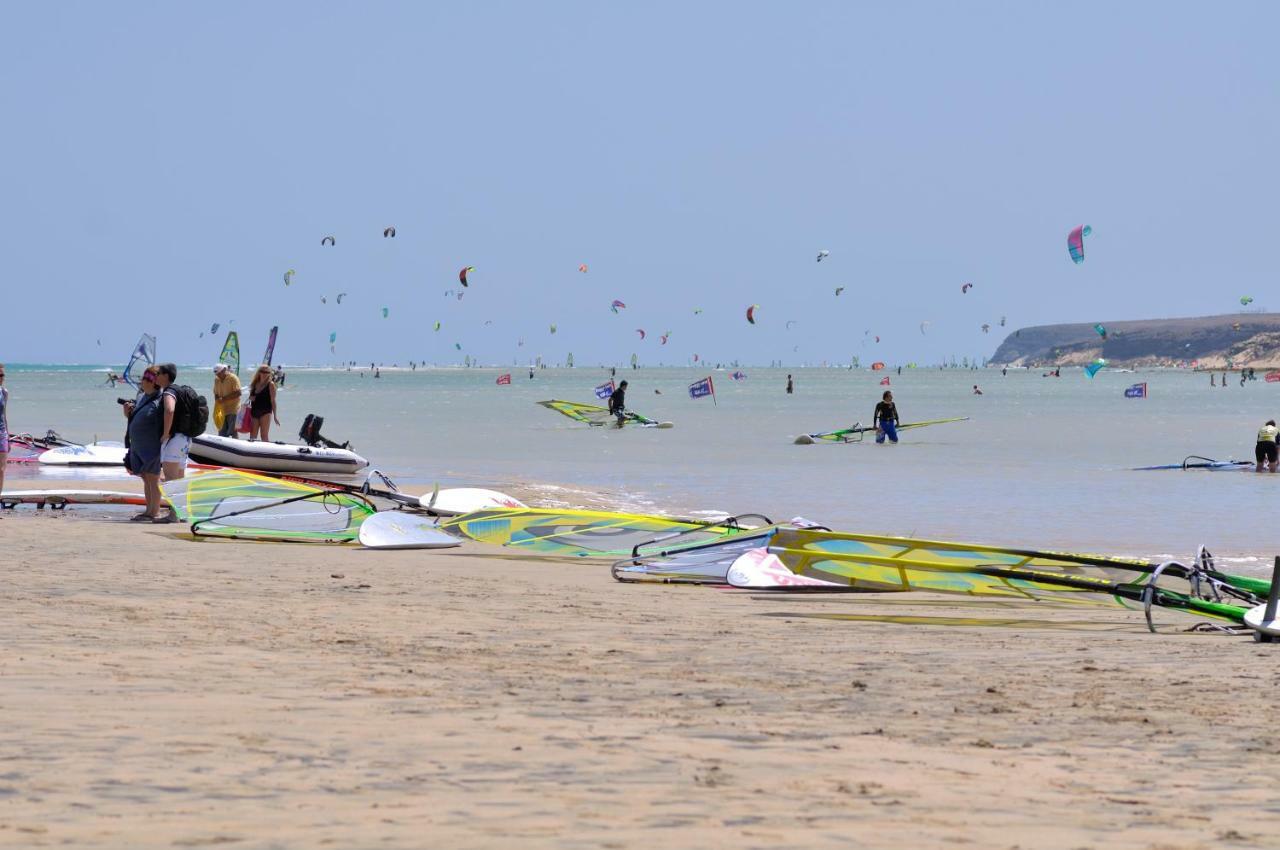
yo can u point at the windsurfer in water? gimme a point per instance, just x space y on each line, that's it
1266 453
885 419
618 403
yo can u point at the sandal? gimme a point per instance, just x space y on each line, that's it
143 517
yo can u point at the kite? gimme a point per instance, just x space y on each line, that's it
839 289
664 337
1246 300
553 328
877 339
790 322
697 310
460 294
751 313
288 277
458 345
333 337
1002 321
437 326
1101 331
389 233
695 358
385 311
923 325
617 304
822 254
641 332
330 240
340 296
583 268
324 300
965 288
448 292
1075 242
1093 368
986 329
214 328
462 275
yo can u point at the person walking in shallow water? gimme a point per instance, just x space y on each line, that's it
790 386
885 419
1266 453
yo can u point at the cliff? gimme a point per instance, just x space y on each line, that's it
1213 342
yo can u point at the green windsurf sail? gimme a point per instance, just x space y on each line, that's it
855 434
595 415
231 353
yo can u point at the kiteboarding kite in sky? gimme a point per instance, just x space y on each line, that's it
965 288
751 313
288 277
1075 242
328 240
389 233
822 254
462 275
617 305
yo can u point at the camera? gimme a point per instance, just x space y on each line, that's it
124 401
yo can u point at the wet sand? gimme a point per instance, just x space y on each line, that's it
157 691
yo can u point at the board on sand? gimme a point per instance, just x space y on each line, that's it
456 501
61 498
94 454
400 530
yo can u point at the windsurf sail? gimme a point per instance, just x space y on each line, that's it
584 534
243 505
231 353
855 434
144 355
271 345
818 559
592 414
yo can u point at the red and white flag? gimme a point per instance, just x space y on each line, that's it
504 379
884 382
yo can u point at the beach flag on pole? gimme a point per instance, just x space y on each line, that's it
604 390
700 389
504 380
884 382
1136 391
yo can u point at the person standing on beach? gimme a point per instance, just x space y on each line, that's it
262 404
146 422
226 397
1266 453
174 446
790 386
4 427
885 419
618 403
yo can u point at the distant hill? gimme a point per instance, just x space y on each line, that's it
1213 342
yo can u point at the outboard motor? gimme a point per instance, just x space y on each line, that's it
310 434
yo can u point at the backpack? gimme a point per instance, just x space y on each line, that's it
190 411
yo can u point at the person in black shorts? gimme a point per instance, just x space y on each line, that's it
618 403
1266 451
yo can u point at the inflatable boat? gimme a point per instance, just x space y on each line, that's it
274 457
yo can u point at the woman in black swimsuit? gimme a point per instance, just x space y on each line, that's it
262 404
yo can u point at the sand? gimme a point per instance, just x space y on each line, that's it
158 691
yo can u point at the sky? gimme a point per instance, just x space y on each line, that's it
163 166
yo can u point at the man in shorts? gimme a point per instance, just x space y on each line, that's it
1265 453
174 448
226 395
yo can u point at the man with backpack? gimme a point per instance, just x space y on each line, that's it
186 414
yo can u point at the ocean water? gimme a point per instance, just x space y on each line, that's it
1042 462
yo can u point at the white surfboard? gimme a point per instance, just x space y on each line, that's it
403 530
1253 618
58 498
456 501
94 454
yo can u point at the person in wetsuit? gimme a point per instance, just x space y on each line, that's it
885 419
1266 453
618 403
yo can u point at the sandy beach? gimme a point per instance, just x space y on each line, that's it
162 691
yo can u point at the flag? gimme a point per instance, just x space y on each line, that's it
1272 377
604 390
504 380
884 382
1136 391
699 389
